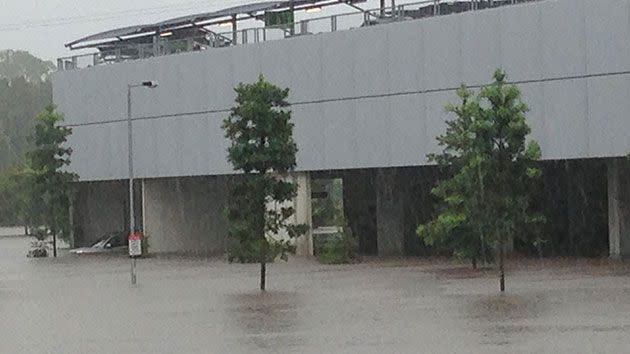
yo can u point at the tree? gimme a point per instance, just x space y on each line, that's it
262 147
487 200
14 198
19 63
24 91
50 185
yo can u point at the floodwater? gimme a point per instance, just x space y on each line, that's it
86 305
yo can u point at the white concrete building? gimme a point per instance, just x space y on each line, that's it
367 104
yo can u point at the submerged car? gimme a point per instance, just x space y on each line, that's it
114 242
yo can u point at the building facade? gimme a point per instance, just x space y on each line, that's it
367 105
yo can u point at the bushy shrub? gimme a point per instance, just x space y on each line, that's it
250 252
340 248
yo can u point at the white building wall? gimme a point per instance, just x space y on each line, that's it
367 97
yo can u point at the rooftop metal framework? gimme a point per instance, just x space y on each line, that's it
200 20
199 31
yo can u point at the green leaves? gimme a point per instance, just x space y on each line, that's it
492 171
260 130
49 184
262 147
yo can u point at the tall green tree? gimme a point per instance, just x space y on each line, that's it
24 92
488 198
262 147
50 184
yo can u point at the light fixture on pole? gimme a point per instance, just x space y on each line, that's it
132 219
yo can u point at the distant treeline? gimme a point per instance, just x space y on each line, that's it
25 90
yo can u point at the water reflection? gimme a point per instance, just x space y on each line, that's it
501 318
267 320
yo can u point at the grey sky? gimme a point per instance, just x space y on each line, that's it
43 26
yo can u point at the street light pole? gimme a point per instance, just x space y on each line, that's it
132 217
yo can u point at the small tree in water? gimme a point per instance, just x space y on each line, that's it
487 199
49 185
262 147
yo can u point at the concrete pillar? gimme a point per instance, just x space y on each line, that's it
100 208
619 208
186 215
303 214
359 204
390 213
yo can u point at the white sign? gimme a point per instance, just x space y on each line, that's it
135 245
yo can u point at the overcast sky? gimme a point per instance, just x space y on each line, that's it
43 26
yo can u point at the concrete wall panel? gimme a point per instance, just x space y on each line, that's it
371 73
566 132
607 31
339 120
604 136
338 64
407 130
307 63
533 94
436 117
276 68
407 38
373 132
185 215
310 132
564 42
478 58
520 43
443 49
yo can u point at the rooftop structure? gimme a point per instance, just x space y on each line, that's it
206 30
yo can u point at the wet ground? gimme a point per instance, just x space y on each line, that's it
86 305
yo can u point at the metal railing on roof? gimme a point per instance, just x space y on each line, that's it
346 21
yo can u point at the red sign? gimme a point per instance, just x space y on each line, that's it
135 244
135 236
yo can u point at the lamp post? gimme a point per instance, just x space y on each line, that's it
132 218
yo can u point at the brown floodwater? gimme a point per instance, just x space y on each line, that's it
86 305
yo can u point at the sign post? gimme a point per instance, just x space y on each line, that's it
135 251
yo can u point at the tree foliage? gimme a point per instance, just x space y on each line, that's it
48 181
20 101
24 92
262 147
493 168
19 63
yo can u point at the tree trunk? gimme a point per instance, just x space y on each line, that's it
501 263
54 245
54 235
484 257
474 263
263 271
263 263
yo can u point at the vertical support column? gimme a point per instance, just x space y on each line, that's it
303 214
390 216
156 45
234 31
359 208
619 208
72 223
